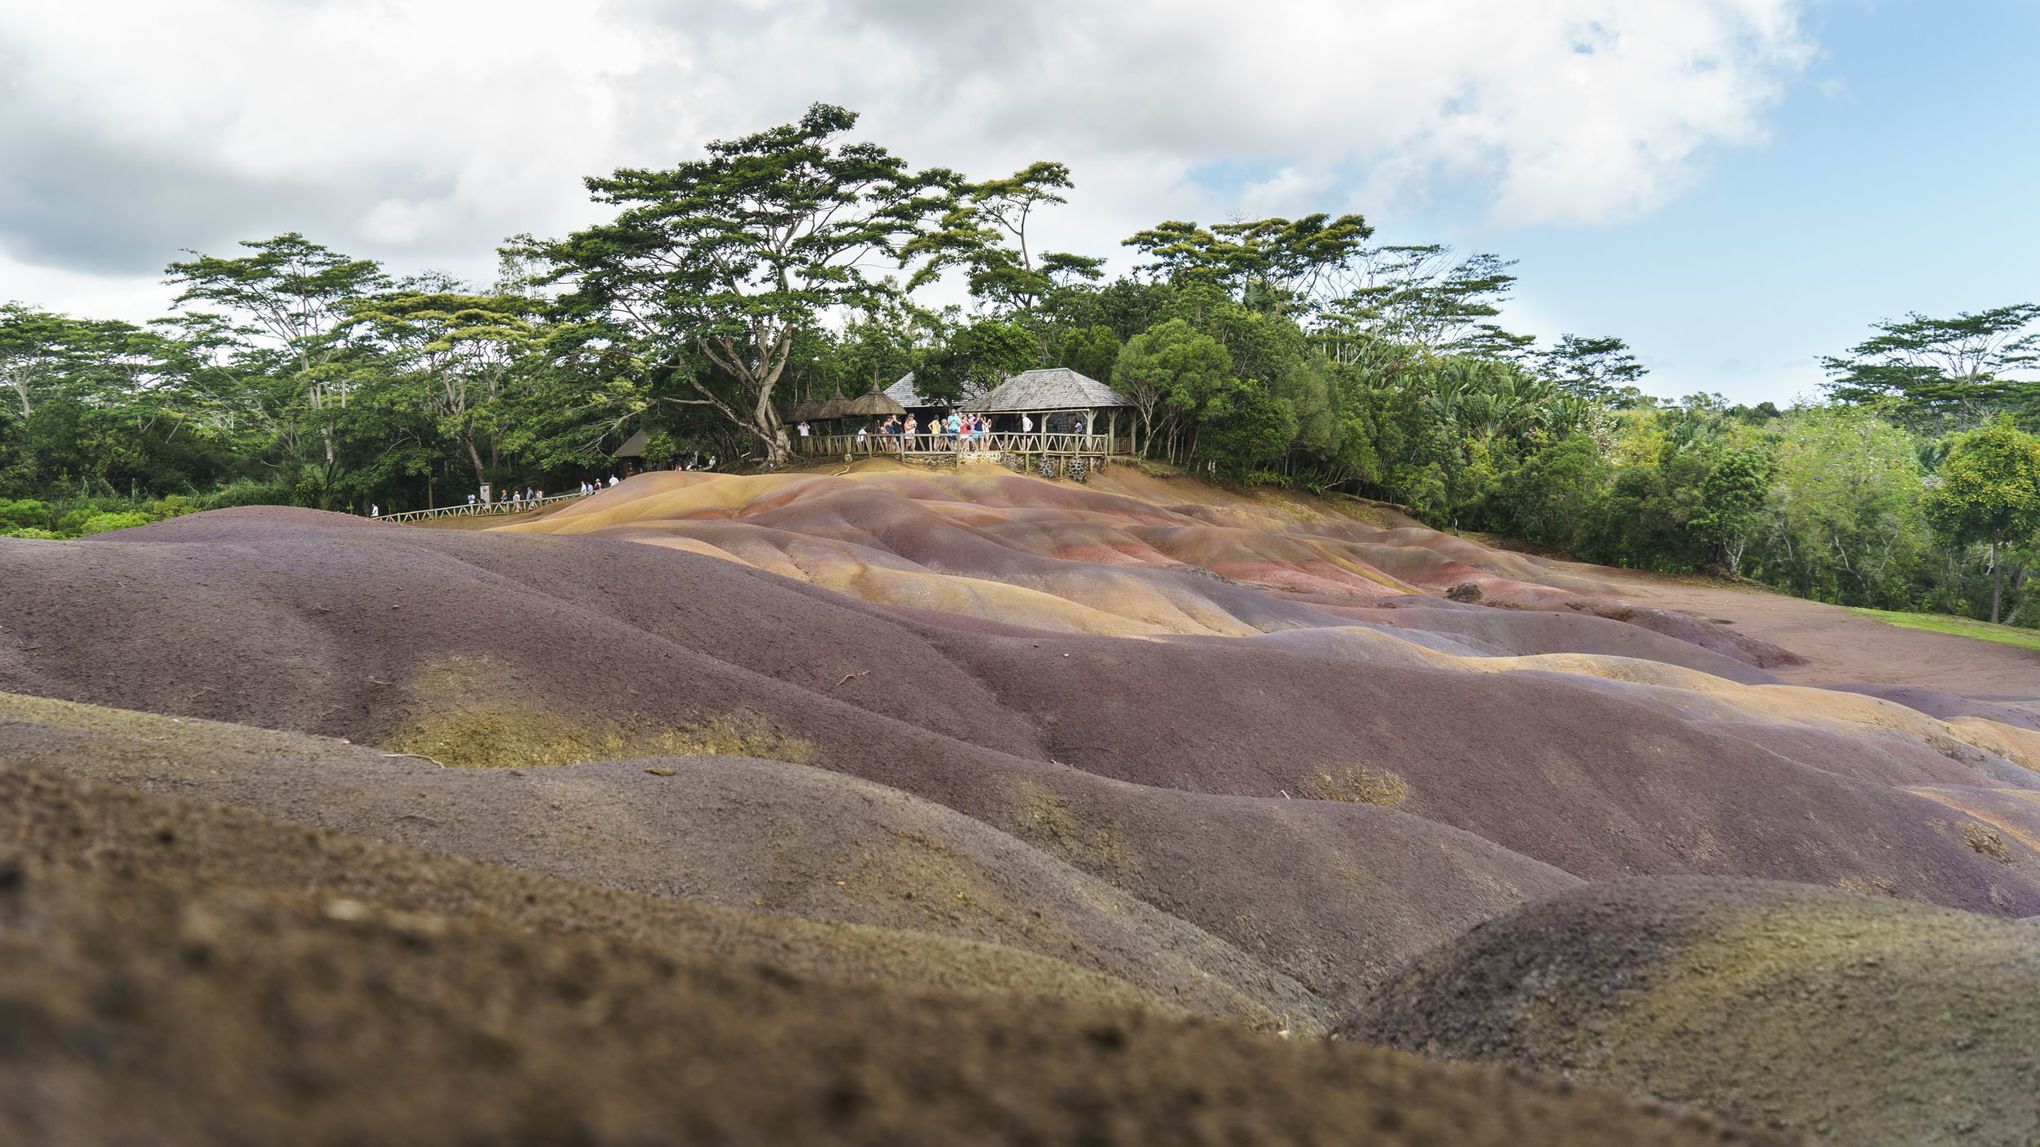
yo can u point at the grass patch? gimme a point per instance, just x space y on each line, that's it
1867 885
519 736
1046 821
1957 626
1360 784
508 731
1985 842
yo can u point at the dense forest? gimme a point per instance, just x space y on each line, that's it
792 264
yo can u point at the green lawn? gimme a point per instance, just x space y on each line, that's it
1959 626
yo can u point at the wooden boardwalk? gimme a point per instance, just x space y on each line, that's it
1029 449
1037 451
480 509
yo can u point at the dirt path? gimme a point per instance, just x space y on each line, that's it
1843 648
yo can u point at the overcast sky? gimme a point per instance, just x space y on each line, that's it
1735 186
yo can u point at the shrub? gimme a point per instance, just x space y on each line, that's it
24 513
245 492
102 523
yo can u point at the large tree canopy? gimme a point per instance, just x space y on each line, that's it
713 266
288 298
1942 370
1989 492
789 265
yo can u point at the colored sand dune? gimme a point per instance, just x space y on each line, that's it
777 755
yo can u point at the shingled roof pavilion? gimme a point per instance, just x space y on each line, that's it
1055 391
1051 389
904 393
1044 418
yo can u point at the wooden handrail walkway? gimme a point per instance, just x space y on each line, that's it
1036 443
478 509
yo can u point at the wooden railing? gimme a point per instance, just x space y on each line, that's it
927 445
477 509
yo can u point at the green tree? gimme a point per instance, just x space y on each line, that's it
1732 506
985 231
1280 265
1091 351
974 358
1556 493
1942 371
455 352
292 295
1989 492
1426 297
1171 370
38 350
712 267
1843 520
1242 426
1596 368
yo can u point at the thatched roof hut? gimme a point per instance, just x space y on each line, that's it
875 404
837 407
1051 389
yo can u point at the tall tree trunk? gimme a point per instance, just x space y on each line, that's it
1996 581
474 458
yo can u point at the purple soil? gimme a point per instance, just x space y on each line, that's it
1947 706
176 974
1513 632
269 619
1856 1018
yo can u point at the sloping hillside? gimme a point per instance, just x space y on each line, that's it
1146 744
1858 1019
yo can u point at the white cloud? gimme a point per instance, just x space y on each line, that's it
425 132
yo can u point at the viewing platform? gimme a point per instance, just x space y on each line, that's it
1023 451
1047 421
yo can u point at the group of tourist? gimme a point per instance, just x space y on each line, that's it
518 499
942 432
961 431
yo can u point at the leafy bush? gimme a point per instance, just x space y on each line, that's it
24 513
29 532
102 523
246 492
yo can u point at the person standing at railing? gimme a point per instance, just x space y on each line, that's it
803 428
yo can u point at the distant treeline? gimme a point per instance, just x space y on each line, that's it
791 265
